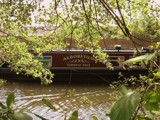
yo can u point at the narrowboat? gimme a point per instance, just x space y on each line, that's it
81 66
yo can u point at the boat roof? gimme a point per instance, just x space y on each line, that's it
106 51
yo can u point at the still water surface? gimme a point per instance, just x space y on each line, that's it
89 99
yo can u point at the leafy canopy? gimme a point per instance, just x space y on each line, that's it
85 21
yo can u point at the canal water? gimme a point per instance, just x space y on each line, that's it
88 98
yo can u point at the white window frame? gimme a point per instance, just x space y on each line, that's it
49 64
119 61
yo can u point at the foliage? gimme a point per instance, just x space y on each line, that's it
85 99
126 105
146 102
71 92
6 112
85 22
74 116
48 104
2 82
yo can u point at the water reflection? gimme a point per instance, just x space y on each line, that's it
88 99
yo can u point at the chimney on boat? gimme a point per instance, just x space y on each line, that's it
117 47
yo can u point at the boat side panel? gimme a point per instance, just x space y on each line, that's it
69 60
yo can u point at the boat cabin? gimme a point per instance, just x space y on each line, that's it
83 59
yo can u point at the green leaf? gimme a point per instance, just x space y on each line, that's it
156 112
124 108
157 75
42 118
136 59
74 116
152 101
17 73
147 96
94 118
156 27
48 104
22 116
152 97
11 116
75 17
141 58
142 117
151 56
108 115
73 1
10 100
123 90
3 118
2 106
158 88
76 8
152 106
75 113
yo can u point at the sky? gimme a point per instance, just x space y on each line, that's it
46 3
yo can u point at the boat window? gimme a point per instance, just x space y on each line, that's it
45 60
116 60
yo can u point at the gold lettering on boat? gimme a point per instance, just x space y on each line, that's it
78 60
